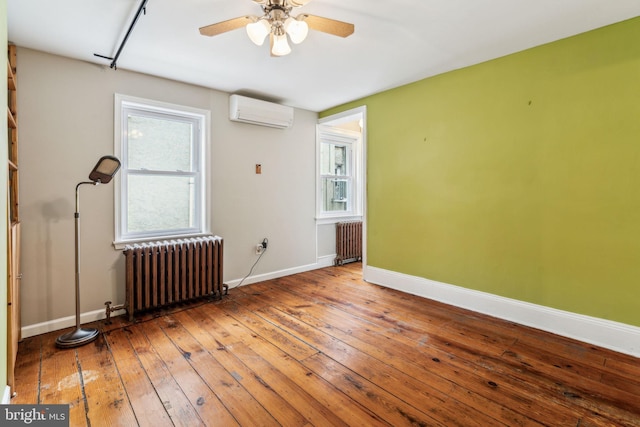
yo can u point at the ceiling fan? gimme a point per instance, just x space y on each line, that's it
277 22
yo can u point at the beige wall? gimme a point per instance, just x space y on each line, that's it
66 123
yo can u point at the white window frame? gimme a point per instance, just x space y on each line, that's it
327 134
151 108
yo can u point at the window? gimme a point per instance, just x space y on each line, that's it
161 189
340 169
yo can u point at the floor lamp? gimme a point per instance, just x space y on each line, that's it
102 173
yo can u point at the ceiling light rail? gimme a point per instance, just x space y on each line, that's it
142 9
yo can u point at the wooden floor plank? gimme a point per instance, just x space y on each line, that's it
325 348
298 397
400 384
408 358
226 385
200 396
625 365
249 319
256 393
345 409
622 406
149 410
474 343
252 381
61 378
391 408
518 393
178 406
305 404
107 403
27 390
477 339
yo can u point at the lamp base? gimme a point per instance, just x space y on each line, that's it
77 338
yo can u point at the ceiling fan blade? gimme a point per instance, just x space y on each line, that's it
330 26
224 26
298 3
292 3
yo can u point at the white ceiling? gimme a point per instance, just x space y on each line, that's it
395 42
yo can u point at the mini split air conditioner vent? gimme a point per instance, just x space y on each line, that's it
258 112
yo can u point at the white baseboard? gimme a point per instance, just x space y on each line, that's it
65 322
604 333
6 396
322 262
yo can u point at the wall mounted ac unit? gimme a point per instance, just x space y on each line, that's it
258 112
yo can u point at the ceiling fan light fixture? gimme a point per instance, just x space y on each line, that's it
280 45
277 23
297 29
257 31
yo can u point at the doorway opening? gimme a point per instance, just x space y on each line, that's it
341 183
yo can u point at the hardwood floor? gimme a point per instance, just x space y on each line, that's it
325 348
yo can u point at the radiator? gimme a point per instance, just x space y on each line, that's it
348 242
160 274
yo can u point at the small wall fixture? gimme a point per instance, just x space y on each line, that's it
102 173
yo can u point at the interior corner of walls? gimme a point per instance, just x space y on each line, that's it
326 261
608 334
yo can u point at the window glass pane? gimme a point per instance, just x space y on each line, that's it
158 144
333 159
160 203
334 194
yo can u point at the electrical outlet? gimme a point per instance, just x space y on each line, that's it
262 246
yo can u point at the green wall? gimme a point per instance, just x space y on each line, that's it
519 176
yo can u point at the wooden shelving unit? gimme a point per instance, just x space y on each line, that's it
13 226
12 121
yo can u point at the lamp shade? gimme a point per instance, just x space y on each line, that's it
280 45
296 29
257 31
105 169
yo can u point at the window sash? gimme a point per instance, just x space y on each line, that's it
193 217
337 191
168 117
